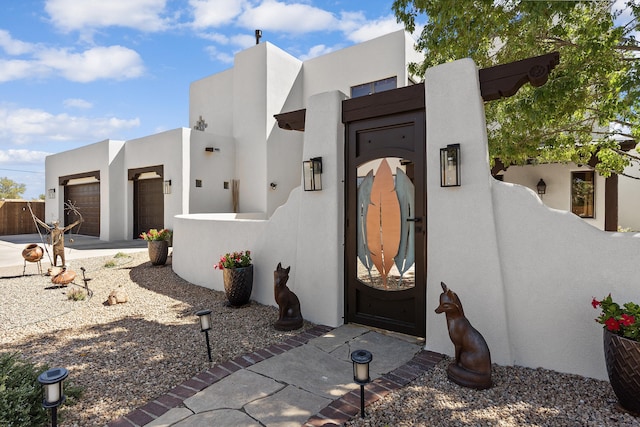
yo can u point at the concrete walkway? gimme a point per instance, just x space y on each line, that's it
306 380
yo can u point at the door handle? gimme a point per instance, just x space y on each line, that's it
418 219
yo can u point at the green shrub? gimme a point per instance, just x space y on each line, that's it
21 394
110 264
121 255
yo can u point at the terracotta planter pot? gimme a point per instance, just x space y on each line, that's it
158 251
32 253
238 284
623 366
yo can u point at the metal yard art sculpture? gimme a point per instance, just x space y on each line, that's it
386 235
56 233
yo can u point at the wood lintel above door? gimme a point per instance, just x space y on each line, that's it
63 180
134 174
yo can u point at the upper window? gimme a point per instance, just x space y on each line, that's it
374 87
582 193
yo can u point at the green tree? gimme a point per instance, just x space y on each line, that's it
9 189
592 97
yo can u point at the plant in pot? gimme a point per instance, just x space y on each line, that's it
157 244
622 349
237 274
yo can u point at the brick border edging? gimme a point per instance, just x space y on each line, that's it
176 396
346 408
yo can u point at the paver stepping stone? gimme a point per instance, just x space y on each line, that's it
233 391
219 418
290 407
311 370
170 417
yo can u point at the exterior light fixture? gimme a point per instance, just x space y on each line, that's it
205 326
312 172
361 360
52 193
258 36
51 380
167 187
450 166
541 186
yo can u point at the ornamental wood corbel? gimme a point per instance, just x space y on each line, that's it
505 80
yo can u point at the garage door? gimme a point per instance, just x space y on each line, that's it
86 198
148 202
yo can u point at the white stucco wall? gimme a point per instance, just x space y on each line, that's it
558 179
525 273
210 97
305 233
462 247
104 156
213 169
376 59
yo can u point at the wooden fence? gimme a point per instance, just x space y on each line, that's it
15 217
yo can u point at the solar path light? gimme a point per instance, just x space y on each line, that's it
361 360
205 326
51 380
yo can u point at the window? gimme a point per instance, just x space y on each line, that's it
374 87
582 193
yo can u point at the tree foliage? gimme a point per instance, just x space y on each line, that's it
9 189
591 100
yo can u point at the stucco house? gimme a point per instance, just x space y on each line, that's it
125 187
525 273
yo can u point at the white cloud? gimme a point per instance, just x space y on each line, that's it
143 15
216 55
215 13
372 29
112 62
22 156
101 62
15 69
13 46
289 18
317 50
26 125
77 103
243 41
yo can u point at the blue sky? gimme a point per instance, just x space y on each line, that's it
75 72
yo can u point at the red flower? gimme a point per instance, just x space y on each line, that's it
627 320
595 303
612 324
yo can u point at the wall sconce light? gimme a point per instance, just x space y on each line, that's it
52 193
205 326
312 171
450 166
167 187
273 185
541 186
211 149
51 380
361 360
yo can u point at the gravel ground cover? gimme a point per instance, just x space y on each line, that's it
126 354
519 397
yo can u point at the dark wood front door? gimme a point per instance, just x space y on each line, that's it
148 205
385 255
